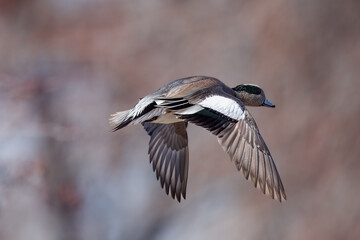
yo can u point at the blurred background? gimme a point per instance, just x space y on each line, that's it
66 65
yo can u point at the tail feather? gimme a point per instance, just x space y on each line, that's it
141 112
120 119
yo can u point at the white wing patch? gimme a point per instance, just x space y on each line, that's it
224 105
190 110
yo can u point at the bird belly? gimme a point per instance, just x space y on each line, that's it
167 119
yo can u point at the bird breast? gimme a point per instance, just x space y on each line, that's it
167 118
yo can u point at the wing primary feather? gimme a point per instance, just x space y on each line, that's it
229 140
164 167
241 153
156 159
247 171
233 149
177 165
186 166
243 156
173 179
277 186
154 148
182 160
168 172
271 176
255 180
157 137
226 137
178 190
160 161
152 154
159 173
262 178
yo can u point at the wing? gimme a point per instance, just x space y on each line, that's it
236 130
169 155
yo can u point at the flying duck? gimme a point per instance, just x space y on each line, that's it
208 103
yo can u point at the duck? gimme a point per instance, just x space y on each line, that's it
208 103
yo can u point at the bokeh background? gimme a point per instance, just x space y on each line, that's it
66 65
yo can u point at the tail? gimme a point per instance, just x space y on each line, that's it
120 119
144 110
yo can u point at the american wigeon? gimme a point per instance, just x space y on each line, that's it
209 103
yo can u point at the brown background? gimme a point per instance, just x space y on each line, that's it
65 66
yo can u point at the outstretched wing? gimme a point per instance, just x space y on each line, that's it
236 130
169 155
